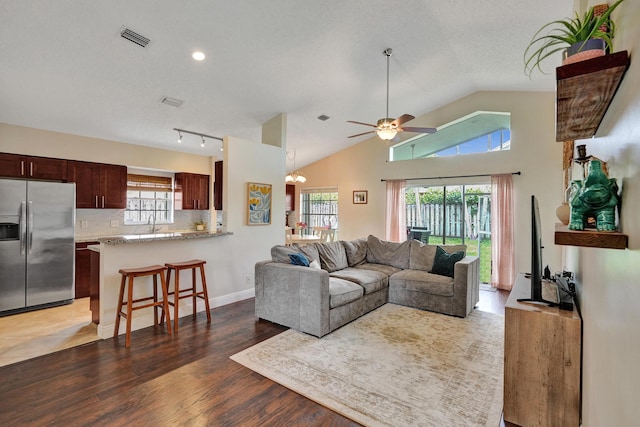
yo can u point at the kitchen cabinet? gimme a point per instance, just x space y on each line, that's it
83 276
217 185
192 191
21 166
94 286
290 198
99 185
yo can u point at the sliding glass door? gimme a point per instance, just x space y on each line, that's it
452 214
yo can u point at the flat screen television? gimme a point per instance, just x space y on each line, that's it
537 277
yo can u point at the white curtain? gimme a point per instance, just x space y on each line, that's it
502 230
395 222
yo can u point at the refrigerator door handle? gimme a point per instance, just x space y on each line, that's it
23 227
30 226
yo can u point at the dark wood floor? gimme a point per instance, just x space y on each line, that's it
187 379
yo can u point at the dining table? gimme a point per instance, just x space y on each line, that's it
299 240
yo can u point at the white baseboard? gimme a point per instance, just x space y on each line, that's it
106 330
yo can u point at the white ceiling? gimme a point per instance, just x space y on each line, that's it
64 66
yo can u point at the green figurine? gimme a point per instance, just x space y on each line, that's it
597 198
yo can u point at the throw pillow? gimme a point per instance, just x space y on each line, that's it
314 264
299 259
444 262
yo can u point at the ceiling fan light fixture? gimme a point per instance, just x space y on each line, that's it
386 134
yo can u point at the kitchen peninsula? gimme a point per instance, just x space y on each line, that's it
137 250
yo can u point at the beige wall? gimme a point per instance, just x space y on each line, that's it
36 142
534 152
609 280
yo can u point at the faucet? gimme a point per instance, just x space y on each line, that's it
153 225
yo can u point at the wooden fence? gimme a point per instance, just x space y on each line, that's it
431 216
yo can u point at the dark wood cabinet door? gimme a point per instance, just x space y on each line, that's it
192 191
19 166
94 286
83 272
99 185
290 198
46 168
217 185
113 183
13 165
85 175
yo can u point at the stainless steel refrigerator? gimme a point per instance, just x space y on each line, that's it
37 244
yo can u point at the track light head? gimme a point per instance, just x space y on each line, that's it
202 144
179 137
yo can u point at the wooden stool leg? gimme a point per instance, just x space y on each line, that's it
129 312
193 289
117 328
205 293
165 302
176 301
155 300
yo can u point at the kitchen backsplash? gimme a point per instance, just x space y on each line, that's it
110 222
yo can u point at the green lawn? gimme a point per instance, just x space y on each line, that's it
472 249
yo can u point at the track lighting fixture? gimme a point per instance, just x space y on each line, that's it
201 135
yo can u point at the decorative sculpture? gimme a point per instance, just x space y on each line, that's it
596 197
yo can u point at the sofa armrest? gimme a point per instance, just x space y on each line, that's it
466 285
293 296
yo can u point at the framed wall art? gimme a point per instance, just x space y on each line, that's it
258 203
360 197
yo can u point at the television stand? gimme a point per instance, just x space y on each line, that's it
542 360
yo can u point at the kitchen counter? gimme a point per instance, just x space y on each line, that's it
148 237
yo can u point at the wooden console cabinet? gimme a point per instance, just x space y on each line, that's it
542 360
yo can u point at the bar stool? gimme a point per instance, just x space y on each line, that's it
128 275
179 293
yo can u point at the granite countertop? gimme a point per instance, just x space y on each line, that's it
138 238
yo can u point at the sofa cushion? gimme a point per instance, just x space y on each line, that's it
332 256
342 292
423 255
388 253
422 281
384 269
370 280
280 253
444 262
356 251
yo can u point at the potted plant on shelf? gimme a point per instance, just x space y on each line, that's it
199 225
577 35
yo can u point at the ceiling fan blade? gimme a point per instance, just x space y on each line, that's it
360 123
402 119
363 133
419 130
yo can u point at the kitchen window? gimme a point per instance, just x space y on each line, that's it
149 199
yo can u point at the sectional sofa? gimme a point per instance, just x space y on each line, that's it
320 287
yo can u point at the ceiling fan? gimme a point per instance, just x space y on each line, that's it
387 128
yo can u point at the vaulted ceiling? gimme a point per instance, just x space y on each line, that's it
65 66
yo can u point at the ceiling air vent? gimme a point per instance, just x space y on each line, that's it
172 101
134 37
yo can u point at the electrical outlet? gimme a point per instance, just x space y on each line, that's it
114 223
84 224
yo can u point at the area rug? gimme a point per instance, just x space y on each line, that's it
395 366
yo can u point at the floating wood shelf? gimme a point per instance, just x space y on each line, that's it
590 238
584 91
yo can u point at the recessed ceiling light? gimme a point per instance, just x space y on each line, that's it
198 56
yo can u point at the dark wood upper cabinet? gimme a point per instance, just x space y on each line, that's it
584 91
99 185
217 185
290 198
32 167
192 191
